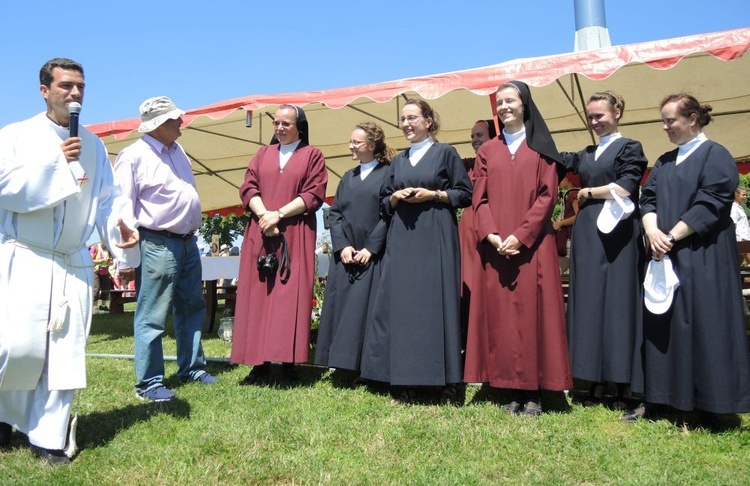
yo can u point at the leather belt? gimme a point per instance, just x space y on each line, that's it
169 234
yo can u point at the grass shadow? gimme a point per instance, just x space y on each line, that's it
307 376
695 420
552 401
97 429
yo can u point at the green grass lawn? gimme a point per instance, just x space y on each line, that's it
323 431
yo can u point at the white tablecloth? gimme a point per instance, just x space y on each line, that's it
215 268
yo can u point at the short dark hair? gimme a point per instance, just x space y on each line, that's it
45 74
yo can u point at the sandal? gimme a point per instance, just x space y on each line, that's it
632 416
532 409
407 396
512 408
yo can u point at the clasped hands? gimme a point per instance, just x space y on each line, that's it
350 255
510 247
269 222
413 195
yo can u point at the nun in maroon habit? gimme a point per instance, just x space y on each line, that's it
285 184
482 132
517 338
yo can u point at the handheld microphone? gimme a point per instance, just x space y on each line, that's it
74 109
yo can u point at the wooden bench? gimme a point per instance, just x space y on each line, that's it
118 298
212 295
565 280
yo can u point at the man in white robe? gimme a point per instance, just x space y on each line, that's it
54 189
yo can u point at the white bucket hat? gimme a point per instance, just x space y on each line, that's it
614 210
155 111
659 285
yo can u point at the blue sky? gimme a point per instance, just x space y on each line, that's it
200 52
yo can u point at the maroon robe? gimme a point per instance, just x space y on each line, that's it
517 323
272 316
467 238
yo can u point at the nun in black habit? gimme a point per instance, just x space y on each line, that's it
414 337
358 238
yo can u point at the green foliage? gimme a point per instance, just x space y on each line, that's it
227 227
745 182
323 431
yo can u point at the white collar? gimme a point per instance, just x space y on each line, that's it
420 145
687 148
607 139
418 149
366 167
604 143
290 147
512 138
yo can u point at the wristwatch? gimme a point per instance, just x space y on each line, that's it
590 196
281 214
671 238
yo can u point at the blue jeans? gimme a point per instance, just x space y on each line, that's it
169 278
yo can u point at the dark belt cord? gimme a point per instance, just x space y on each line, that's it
284 260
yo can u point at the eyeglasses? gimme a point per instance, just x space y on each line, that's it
410 118
285 124
357 143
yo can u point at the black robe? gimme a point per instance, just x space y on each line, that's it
604 304
354 220
413 337
695 355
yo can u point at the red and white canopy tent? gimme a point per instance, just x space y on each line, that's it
222 137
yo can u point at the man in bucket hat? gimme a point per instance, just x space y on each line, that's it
156 175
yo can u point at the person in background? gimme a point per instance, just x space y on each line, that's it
414 335
695 353
564 225
358 238
285 184
102 277
604 304
739 217
322 261
54 190
157 178
517 335
482 131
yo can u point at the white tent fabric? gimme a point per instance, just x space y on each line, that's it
221 138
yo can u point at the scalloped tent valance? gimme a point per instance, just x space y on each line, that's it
222 137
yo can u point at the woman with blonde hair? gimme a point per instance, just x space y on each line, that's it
604 310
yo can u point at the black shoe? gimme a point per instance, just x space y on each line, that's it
288 372
53 457
6 431
257 374
711 421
